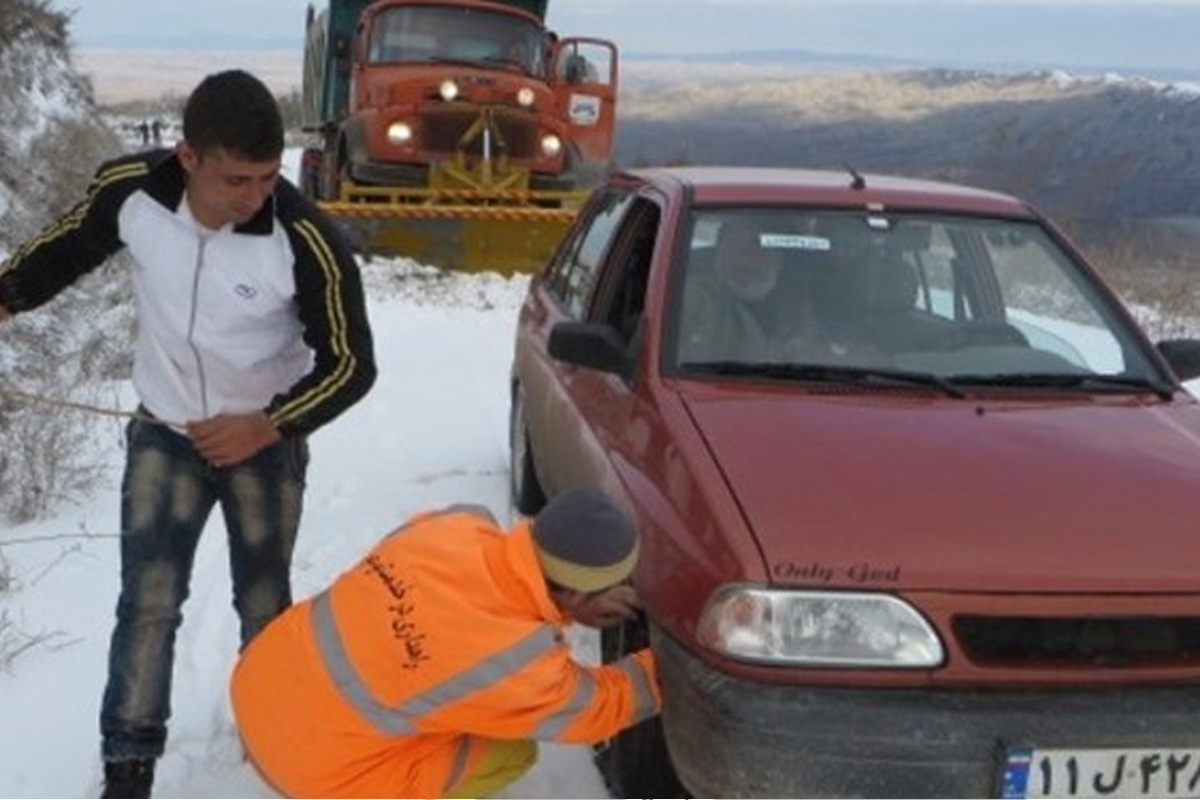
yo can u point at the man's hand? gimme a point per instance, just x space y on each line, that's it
5 314
601 609
230 439
616 605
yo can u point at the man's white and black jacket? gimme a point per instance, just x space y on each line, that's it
266 315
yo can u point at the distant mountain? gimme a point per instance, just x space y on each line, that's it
1094 149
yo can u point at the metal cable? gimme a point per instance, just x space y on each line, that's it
110 412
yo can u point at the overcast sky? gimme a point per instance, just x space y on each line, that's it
1133 34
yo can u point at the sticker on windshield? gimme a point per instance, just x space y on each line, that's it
791 241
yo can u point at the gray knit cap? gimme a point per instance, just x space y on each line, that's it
584 541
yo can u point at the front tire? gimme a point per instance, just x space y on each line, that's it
528 497
635 762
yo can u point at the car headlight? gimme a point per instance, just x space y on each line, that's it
525 97
399 133
820 629
448 90
551 145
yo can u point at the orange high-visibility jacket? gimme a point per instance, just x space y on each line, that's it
389 683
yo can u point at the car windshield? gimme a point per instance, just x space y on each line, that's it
421 34
969 300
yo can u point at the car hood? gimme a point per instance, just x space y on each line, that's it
942 494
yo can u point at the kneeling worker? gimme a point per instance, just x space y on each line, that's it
430 668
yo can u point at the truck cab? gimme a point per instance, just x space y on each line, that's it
470 96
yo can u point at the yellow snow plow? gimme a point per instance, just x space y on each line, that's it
501 230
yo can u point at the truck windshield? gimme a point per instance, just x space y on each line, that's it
421 34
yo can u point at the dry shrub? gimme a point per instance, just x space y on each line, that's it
77 349
1157 273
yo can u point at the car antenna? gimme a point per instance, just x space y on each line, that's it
857 181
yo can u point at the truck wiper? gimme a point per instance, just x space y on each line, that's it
1072 380
462 62
824 373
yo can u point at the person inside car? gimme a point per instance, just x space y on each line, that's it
737 308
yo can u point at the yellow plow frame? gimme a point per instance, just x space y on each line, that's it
477 214
509 231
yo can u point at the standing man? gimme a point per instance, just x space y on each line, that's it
432 667
251 333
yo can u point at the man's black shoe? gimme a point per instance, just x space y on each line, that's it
128 779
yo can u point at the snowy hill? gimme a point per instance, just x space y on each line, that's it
51 134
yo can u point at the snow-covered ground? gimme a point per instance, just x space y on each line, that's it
433 431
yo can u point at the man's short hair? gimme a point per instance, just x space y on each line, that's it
234 111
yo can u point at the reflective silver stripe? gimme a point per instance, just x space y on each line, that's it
398 721
345 678
486 673
553 726
643 705
459 767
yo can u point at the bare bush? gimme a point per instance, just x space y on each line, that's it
77 349
14 642
51 140
1157 273
48 465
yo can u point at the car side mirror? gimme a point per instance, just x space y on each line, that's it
589 344
1183 355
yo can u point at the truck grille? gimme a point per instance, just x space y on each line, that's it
1115 642
442 129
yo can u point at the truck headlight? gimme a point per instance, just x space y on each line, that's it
551 145
448 90
525 97
818 629
399 133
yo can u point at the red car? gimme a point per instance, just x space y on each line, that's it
920 502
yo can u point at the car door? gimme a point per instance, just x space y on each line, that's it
590 410
563 293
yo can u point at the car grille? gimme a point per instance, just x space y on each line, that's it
442 129
1116 642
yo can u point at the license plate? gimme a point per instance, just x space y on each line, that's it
1112 772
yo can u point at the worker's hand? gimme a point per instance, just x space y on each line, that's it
607 608
230 439
5 314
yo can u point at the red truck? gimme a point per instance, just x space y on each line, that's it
461 132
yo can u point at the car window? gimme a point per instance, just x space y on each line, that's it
621 296
955 296
573 278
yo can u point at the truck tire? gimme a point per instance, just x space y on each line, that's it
527 494
635 762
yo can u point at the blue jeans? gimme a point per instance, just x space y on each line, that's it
167 494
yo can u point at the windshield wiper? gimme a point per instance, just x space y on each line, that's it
462 62
824 373
1072 380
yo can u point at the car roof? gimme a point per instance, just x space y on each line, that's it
716 185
